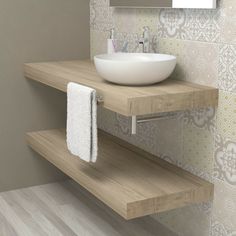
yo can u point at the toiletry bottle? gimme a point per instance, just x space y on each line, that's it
111 48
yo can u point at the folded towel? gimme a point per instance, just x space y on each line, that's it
82 122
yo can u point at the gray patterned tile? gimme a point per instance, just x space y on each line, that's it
192 59
227 68
195 63
204 118
225 160
228 21
195 171
101 16
204 42
198 151
226 115
171 23
198 25
162 138
219 229
203 25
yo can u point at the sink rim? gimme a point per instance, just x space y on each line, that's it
135 57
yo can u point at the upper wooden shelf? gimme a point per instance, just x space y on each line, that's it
130 181
170 95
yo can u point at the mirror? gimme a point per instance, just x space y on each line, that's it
207 4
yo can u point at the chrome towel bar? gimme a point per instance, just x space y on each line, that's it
142 120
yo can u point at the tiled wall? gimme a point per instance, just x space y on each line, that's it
201 141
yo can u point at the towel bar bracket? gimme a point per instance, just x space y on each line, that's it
134 125
142 120
100 100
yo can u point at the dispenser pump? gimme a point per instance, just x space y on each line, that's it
111 42
112 33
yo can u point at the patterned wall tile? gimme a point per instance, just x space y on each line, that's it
228 21
98 42
196 64
226 115
125 20
225 160
101 16
204 118
218 229
171 23
147 17
203 25
197 25
227 68
182 222
171 46
199 132
162 138
198 149
107 120
203 41
176 48
126 42
192 60
225 204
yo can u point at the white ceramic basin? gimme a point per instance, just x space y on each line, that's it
135 68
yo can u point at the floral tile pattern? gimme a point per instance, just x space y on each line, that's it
219 229
101 16
162 138
153 137
171 23
197 25
204 118
226 115
225 160
201 141
227 68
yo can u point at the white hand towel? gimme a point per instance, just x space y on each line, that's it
82 122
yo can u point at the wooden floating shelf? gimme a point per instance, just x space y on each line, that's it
130 181
170 95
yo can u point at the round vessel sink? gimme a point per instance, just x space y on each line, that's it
135 68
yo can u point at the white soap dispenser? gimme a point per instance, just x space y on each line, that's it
111 47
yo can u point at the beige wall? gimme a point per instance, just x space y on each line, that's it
30 31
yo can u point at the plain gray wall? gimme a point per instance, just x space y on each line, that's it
34 31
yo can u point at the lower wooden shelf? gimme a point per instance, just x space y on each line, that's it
130 181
